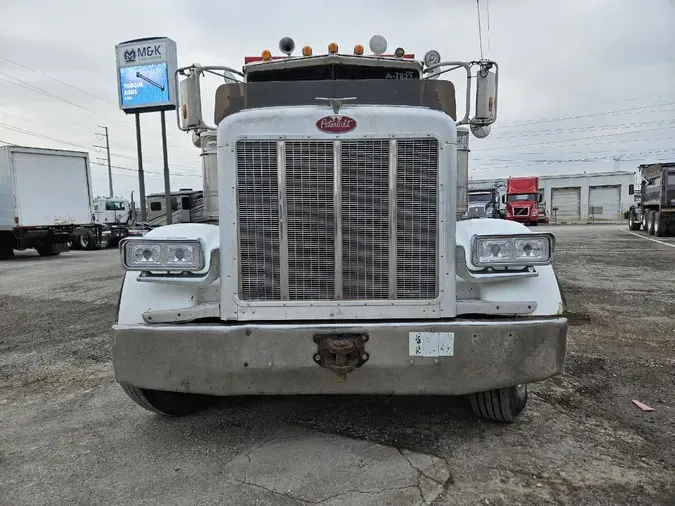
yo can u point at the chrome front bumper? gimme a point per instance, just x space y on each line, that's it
267 359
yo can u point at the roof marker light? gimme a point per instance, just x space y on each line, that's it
307 51
266 55
332 48
378 44
399 52
358 49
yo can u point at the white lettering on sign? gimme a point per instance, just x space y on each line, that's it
400 75
142 53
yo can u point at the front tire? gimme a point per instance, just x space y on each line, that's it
633 224
650 222
47 251
659 229
166 403
500 405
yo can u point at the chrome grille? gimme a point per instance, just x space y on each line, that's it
416 223
338 220
258 208
365 219
311 221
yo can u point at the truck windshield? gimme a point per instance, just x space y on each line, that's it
235 97
480 197
525 197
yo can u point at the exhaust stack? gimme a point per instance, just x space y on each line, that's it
210 174
462 173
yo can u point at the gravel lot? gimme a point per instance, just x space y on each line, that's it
68 434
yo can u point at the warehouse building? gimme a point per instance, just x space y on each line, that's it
580 197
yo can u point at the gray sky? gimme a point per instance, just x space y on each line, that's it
608 65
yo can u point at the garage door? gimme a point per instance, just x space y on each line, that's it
568 202
604 202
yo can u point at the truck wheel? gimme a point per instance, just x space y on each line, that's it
659 229
645 221
47 251
166 403
650 222
87 240
633 224
500 405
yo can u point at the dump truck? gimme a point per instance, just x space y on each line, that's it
654 206
340 262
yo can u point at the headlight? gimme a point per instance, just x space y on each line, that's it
162 255
526 249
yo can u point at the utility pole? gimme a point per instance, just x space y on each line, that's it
107 149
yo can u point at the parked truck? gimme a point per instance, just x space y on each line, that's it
187 206
484 203
338 264
654 206
522 200
45 200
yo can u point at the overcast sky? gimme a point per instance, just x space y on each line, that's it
606 65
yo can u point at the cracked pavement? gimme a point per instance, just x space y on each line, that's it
317 468
69 435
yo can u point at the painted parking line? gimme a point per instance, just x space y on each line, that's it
647 238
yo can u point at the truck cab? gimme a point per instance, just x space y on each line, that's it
341 260
522 200
484 203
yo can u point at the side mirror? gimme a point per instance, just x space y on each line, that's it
486 95
189 99
541 198
503 199
631 189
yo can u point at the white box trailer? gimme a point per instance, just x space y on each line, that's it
45 200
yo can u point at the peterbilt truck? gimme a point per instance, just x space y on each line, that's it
654 207
522 199
341 262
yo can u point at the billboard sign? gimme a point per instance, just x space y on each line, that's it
145 74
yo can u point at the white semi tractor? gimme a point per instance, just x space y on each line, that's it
341 261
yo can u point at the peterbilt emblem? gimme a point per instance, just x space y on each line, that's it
336 124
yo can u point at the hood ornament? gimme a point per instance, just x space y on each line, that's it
335 103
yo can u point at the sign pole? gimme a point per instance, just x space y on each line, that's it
145 76
167 182
141 176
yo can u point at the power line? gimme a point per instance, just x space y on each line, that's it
562 131
67 143
512 124
37 89
580 139
57 80
146 171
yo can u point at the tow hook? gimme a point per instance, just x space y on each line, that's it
341 353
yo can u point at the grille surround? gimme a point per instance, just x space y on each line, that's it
362 220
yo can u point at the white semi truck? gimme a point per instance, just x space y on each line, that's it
341 262
45 201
